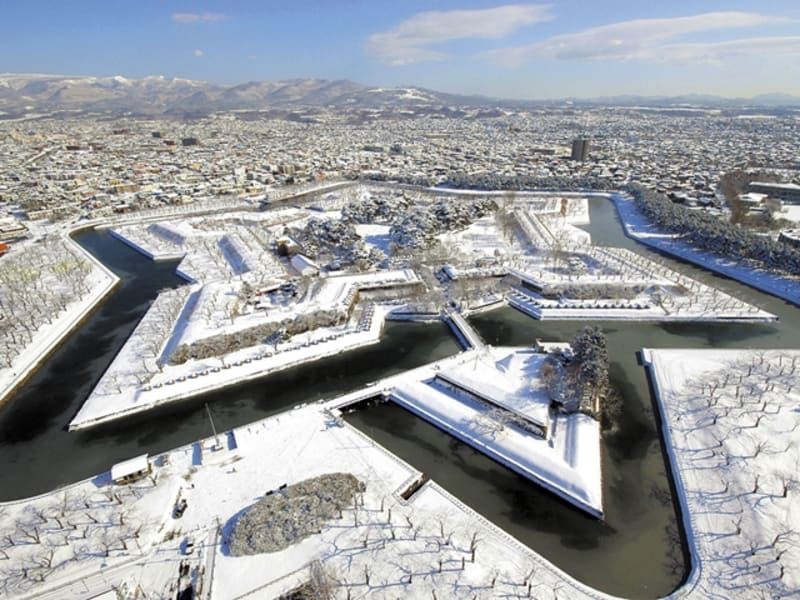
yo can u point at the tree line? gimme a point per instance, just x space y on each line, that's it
708 232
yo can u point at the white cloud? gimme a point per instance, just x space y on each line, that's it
640 39
199 53
194 18
718 51
410 41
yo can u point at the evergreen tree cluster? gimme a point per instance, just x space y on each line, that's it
590 352
224 343
377 208
496 181
328 235
707 232
418 227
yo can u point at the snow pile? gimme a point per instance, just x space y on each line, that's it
730 419
292 514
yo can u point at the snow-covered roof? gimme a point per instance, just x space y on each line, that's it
791 187
130 467
303 263
505 382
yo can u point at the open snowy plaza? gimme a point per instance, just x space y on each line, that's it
401 536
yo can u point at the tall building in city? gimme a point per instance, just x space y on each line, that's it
580 149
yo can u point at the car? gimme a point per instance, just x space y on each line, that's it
188 546
180 508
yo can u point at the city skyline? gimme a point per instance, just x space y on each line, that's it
513 50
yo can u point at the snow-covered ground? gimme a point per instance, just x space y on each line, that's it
126 389
214 247
566 460
584 281
46 336
481 240
96 538
578 280
730 420
376 236
641 230
142 375
83 545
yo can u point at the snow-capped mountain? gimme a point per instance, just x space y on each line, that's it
156 95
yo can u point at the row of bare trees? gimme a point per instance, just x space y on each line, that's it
52 532
742 424
37 283
399 549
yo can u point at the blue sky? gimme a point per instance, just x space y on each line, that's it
555 49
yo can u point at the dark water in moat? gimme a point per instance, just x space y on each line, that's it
636 551
37 454
630 554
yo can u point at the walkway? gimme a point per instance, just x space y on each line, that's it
466 335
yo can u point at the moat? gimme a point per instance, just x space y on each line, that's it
634 552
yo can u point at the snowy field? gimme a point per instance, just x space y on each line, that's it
91 540
577 280
212 247
565 460
127 388
730 420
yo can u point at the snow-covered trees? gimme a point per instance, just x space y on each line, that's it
590 367
710 233
377 207
36 285
496 181
268 333
43 538
581 383
731 420
328 239
418 227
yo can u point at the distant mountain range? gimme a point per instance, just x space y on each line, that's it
26 93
